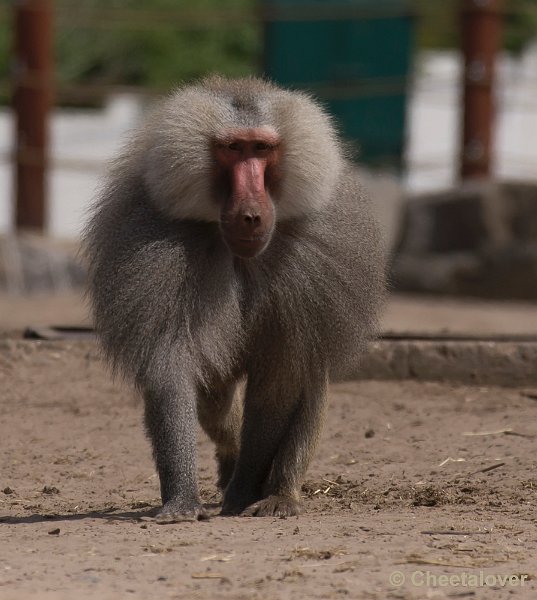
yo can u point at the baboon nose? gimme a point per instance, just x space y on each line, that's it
251 219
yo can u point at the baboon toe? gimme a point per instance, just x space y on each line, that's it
274 506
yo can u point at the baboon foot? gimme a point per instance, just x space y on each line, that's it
178 510
274 506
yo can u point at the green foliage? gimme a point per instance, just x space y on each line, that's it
6 43
438 23
160 43
118 47
521 25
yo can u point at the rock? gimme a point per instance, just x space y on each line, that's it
32 263
478 240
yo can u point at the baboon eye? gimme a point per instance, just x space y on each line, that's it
234 146
262 146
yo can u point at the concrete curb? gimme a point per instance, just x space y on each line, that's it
508 362
479 362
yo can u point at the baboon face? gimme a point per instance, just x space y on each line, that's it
247 164
244 155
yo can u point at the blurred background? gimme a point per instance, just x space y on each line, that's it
437 97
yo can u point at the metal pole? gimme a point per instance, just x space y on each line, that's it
481 41
32 101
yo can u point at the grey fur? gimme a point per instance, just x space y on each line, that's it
186 320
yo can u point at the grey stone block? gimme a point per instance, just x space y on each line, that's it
478 240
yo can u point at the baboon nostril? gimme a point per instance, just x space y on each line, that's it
252 219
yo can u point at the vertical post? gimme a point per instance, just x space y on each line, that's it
32 101
481 41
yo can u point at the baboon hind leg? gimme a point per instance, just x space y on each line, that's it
220 415
282 422
281 494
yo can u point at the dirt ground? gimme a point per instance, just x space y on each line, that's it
412 481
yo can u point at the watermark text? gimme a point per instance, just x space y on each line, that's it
470 580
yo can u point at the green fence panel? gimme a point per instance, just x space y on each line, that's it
355 55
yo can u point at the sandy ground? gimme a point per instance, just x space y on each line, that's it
411 482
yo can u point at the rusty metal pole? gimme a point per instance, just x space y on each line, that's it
481 40
32 102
